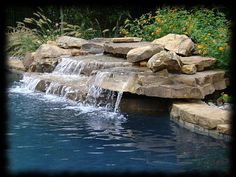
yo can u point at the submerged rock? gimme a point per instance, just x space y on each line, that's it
180 44
143 53
165 60
70 42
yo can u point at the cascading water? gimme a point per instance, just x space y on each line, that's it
118 99
70 69
69 66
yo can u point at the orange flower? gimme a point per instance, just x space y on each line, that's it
157 31
221 49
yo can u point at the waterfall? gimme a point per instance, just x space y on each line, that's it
30 82
69 81
118 99
98 96
70 67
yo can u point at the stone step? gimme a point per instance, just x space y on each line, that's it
202 115
141 81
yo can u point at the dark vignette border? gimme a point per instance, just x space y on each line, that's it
143 4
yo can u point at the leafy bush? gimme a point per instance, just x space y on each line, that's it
208 28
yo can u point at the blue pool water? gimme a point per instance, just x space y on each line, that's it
51 134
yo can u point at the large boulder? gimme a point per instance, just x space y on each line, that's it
70 42
180 44
122 48
200 62
143 53
165 60
50 51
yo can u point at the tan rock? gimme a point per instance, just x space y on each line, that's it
70 42
180 44
142 81
200 62
143 63
189 69
200 113
165 60
15 64
224 128
126 39
143 53
78 52
28 60
49 51
51 42
122 48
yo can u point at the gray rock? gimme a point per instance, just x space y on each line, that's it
93 48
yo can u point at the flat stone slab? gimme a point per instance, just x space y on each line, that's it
126 39
142 81
200 62
123 48
199 113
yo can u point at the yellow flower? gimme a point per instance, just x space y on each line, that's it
208 34
221 49
199 46
152 33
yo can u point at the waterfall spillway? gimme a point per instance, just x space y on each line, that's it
78 80
118 99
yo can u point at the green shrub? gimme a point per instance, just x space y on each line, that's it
21 40
28 35
208 28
